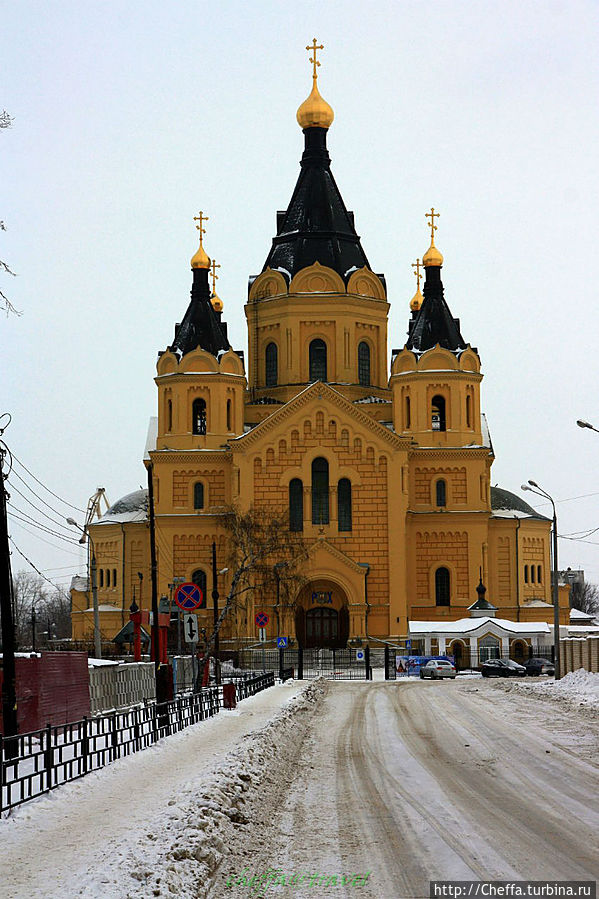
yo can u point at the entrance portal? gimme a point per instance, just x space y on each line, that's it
322 627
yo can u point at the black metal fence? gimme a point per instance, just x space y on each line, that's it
35 763
335 664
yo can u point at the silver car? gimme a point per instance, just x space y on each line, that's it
438 668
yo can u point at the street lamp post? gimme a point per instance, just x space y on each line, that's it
97 633
534 488
215 612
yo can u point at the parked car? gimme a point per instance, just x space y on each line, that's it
502 668
438 668
536 666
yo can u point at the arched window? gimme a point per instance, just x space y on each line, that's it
114 577
526 574
272 365
229 415
364 364
532 574
468 411
101 577
199 579
442 587
538 574
296 505
344 504
198 495
320 491
318 360
108 577
198 414
408 414
441 492
438 413
169 415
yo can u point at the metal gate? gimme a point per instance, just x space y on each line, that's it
334 664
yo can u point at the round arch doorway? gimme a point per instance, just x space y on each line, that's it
322 616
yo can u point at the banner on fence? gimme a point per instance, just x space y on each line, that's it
409 666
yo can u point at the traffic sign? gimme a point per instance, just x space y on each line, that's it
189 597
360 655
261 619
191 627
262 634
282 642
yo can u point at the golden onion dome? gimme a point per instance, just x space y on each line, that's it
217 303
315 112
416 301
432 256
200 259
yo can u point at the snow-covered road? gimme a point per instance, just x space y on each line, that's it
306 789
419 781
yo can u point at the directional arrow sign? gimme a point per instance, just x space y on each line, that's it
191 627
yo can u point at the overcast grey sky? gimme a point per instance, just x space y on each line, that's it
130 117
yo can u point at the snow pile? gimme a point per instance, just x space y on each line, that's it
182 853
578 689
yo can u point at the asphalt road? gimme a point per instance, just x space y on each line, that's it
419 781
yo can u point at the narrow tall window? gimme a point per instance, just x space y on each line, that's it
108 577
198 495
320 491
344 504
199 579
296 505
468 411
199 416
442 587
272 365
318 360
526 574
532 574
438 413
169 415
364 364
539 574
114 577
408 414
441 493
228 415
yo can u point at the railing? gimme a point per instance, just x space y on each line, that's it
34 763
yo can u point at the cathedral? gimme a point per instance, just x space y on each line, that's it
385 469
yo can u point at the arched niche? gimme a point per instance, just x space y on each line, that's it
317 278
198 360
438 359
231 363
366 284
167 364
268 284
404 361
469 361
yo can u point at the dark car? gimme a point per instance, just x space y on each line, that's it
536 666
502 668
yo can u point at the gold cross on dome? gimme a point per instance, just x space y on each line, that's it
416 265
432 215
213 275
314 47
201 218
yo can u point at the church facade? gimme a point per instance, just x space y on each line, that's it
385 471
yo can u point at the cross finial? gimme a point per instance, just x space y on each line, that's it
213 275
314 47
201 218
432 215
416 265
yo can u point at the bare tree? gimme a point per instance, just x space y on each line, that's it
262 552
52 609
585 598
6 122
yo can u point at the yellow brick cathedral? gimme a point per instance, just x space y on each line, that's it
386 472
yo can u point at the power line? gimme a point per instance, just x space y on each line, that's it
37 480
48 542
42 527
37 509
31 490
29 562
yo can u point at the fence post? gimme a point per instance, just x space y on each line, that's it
281 651
387 654
367 662
300 663
1 774
84 744
48 757
114 736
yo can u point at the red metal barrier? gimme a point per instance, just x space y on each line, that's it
51 689
229 701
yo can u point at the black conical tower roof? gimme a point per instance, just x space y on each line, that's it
434 324
316 226
201 325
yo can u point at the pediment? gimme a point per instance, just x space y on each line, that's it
270 283
317 278
366 284
320 397
323 554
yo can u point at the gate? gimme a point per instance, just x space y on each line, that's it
334 664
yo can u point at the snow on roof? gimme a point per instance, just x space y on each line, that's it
151 437
372 399
132 507
575 629
576 613
505 504
469 625
79 582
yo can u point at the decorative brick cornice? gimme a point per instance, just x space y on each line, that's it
191 457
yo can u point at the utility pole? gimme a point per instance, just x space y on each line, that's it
9 683
154 572
215 601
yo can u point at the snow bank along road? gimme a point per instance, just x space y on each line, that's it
415 781
406 782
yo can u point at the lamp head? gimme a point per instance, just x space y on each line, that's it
533 484
524 487
584 424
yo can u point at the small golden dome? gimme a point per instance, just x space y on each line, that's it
416 301
217 303
200 259
432 256
315 112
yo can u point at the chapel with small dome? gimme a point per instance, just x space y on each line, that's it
385 469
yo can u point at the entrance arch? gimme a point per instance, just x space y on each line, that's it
322 616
